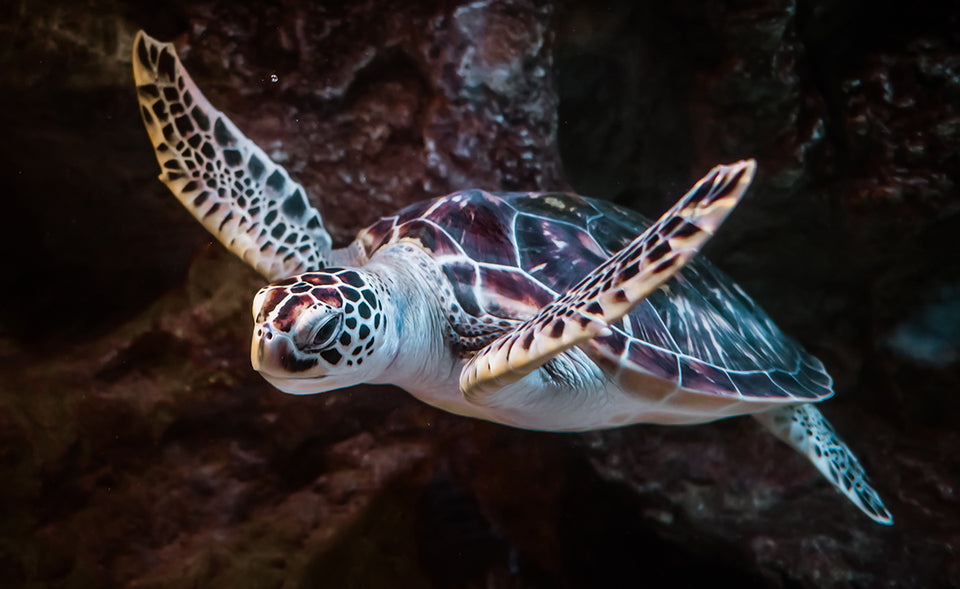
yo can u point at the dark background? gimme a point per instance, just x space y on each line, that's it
139 449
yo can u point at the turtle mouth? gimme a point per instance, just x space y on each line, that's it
300 385
269 376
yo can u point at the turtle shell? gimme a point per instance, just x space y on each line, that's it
508 254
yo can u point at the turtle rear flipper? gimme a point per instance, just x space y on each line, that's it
806 429
612 289
228 183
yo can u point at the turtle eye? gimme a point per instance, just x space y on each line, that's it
323 333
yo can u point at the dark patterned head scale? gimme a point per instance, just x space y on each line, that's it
317 323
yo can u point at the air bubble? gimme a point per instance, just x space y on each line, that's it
274 78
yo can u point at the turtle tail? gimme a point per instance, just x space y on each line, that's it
806 429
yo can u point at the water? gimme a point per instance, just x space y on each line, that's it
140 449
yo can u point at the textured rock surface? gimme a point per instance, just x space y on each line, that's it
138 449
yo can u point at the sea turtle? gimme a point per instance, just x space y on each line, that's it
541 311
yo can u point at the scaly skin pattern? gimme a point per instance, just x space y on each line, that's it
540 311
226 181
806 429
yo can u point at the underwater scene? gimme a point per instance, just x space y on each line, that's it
499 294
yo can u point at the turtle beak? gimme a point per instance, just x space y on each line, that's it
275 357
259 356
264 337
258 304
272 352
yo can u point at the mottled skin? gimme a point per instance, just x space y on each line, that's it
541 311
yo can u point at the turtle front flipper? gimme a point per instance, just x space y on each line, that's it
613 288
228 183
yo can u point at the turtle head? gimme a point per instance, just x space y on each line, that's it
320 331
